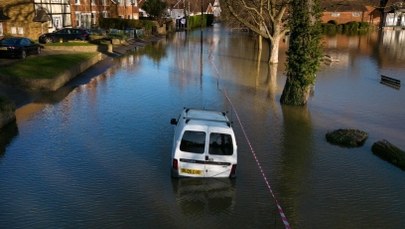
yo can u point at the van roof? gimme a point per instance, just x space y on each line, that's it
206 117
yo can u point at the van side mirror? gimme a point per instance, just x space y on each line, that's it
173 121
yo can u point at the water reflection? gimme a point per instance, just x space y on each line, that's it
393 43
297 153
271 81
185 67
386 46
197 197
99 157
155 51
7 134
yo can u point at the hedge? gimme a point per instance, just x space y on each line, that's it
332 28
195 21
123 24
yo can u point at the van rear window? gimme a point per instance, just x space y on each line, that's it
221 144
193 142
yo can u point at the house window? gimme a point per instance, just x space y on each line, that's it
105 14
1 30
335 14
93 2
77 2
93 17
20 30
85 20
57 22
356 14
104 2
56 1
77 19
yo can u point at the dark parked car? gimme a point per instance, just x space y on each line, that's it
67 34
18 47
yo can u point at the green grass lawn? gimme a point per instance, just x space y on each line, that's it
44 67
71 43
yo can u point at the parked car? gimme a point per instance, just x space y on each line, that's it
18 47
67 34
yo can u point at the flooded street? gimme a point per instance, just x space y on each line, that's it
97 155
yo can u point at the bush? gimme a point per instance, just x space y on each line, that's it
195 21
6 105
123 24
329 29
332 28
347 137
333 22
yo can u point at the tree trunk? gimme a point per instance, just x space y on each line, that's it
274 49
260 48
295 95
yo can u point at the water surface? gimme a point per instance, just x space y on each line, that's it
98 155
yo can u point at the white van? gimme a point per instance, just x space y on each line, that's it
204 145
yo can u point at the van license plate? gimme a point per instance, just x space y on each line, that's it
191 171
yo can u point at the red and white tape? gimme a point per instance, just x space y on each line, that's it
279 208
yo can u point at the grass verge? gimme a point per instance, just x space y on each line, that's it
68 44
44 67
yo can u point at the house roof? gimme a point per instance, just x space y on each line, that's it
3 17
343 6
393 5
192 5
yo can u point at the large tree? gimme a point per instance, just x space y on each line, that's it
155 8
304 52
267 18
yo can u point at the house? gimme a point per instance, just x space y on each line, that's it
216 9
341 11
86 13
180 9
394 13
52 14
31 18
19 18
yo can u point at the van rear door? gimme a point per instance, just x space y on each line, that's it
192 154
221 154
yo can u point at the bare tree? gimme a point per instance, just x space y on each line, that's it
266 18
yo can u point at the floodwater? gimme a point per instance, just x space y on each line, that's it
97 153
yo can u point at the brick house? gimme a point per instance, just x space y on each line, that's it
351 11
31 18
86 13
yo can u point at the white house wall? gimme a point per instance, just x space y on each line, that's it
58 10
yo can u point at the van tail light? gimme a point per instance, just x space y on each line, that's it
233 171
175 164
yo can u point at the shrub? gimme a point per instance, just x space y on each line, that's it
6 105
333 22
332 28
123 24
195 21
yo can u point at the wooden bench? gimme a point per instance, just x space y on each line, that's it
389 81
